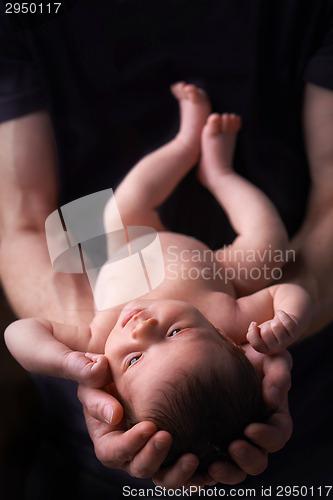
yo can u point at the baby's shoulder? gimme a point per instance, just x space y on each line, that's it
221 310
101 326
233 315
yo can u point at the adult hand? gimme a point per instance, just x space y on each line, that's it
276 383
266 438
140 451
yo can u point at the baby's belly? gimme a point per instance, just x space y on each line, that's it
190 271
189 261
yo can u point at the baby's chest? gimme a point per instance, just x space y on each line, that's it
189 262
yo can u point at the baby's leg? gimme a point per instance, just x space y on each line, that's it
153 179
252 215
218 145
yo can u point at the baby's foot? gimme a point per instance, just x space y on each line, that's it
194 109
218 142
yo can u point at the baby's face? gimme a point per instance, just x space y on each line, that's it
152 341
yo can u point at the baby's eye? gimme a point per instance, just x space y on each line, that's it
134 360
174 332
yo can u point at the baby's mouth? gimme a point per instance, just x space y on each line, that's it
129 316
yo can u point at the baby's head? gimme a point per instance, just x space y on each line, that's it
171 366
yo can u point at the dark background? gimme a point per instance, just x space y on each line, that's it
18 416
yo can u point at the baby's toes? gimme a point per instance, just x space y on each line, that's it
235 122
230 123
177 90
213 124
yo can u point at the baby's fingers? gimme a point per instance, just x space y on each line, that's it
273 335
255 339
281 332
89 369
289 325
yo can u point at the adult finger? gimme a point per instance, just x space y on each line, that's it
100 405
201 480
273 435
248 457
226 473
178 474
150 458
116 449
277 379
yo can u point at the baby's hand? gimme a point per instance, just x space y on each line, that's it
86 368
275 335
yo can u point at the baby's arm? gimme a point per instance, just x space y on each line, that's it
292 307
38 345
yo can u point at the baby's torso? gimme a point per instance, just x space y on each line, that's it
191 268
192 274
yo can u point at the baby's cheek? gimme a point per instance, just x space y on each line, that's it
110 347
108 353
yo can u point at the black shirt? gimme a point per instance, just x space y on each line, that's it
105 67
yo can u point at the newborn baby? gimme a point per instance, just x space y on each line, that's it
175 354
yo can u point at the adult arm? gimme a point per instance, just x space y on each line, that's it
28 194
313 243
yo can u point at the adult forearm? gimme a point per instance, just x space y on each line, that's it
313 267
33 288
28 194
314 242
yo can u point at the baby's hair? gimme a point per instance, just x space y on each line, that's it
205 412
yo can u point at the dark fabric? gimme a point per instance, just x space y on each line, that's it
104 69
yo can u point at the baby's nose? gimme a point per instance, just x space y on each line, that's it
144 328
